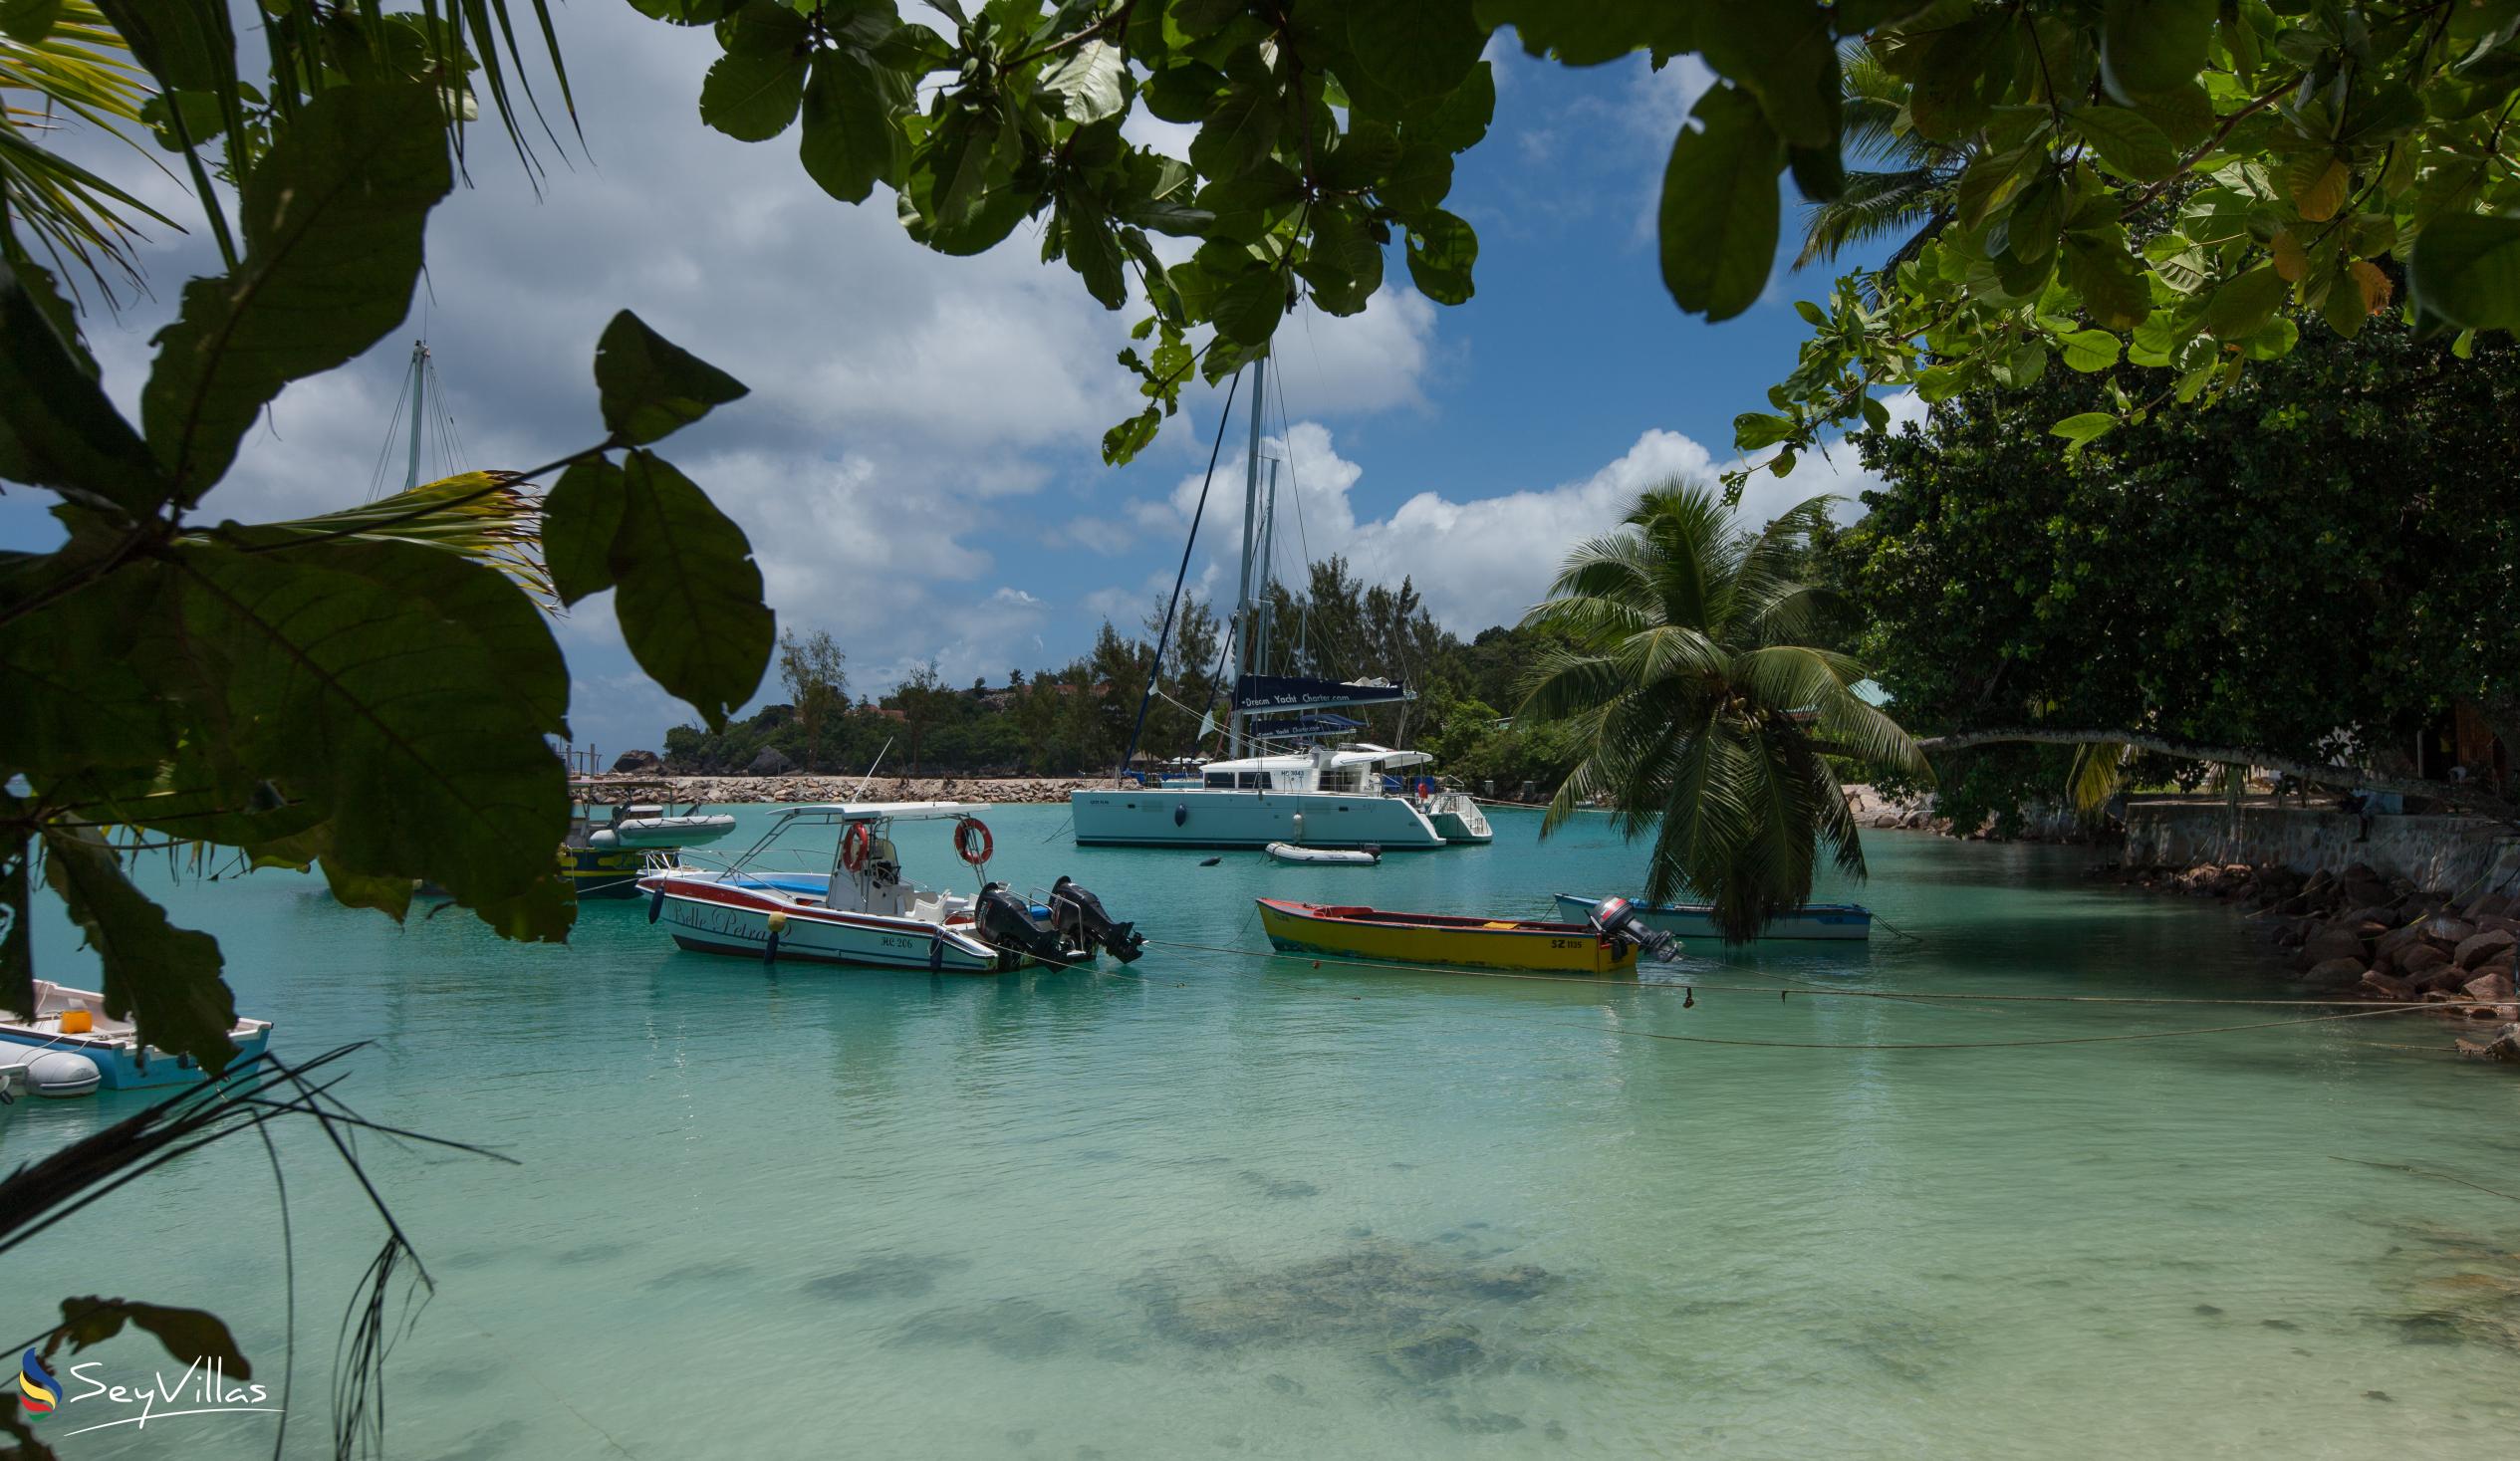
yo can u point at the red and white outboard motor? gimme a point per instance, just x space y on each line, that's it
1617 918
1079 918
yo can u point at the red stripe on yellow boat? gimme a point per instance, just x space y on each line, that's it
1437 938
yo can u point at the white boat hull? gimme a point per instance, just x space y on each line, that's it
1324 856
125 1064
1247 818
708 916
1822 921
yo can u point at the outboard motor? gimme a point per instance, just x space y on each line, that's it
1079 915
1006 921
1617 918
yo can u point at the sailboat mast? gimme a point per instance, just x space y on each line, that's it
1245 608
420 405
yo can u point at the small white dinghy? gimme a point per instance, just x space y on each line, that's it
1338 856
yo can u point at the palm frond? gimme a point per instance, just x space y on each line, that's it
489 517
1873 205
79 71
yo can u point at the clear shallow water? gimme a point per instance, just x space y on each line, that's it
1231 1204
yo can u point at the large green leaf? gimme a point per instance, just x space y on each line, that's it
164 978
2126 140
688 595
2465 268
2240 307
1589 33
332 219
1441 250
16 921
57 429
192 1335
419 736
1719 206
650 388
581 514
1091 82
1417 50
2149 46
752 91
76 698
851 139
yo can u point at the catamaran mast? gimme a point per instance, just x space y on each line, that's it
1245 609
420 405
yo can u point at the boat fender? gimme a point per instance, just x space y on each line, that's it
777 920
61 1073
769 950
1299 829
936 954
1209 861
1180 813
972 841
655 905
855 843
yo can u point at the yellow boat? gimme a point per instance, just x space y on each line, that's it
1440 938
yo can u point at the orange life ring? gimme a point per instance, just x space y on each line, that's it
972 841
854 846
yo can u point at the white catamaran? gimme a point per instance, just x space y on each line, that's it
1299 790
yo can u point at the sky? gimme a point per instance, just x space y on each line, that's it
919 464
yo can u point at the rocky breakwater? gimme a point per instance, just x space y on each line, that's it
761 790
2353 932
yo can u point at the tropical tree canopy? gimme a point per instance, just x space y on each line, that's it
2318 573
1710 719
2144 180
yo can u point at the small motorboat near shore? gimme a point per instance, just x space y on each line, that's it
1609 944
1840 921
617 828
859 910
1327 857
73 1022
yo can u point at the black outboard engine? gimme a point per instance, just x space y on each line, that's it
1006 921
1617 918
1079 915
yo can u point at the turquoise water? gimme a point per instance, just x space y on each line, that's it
1229 1204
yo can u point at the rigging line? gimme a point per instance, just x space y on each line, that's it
1165 636
1681 982
376 478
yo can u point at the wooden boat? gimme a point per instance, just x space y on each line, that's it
1697 920
1442 938
1328 857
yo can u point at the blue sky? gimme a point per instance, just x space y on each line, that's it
917 467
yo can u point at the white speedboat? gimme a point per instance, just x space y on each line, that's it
1325 857
614 833
858 908
1697 920
73 1022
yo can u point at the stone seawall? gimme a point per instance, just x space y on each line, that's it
2466 855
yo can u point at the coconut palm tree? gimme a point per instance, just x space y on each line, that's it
1712 724
1903 190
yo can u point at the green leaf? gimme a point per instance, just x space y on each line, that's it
2107 277
1783 53
162 978
57 429
1589 34
1417 50
2081 430
2126 142
28 20
367 680
2088 351
688 597
1363 153
1084 236
651 387
17 910
1752 430
1343 264
1089 81
1238 133
2240 307
1461 119
1419 181
581 514
2465 268
1441 250
192 1335
1718 215
1121 443
1962 75
77 697
851 139
2152 45
752 91
685 12
331 220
